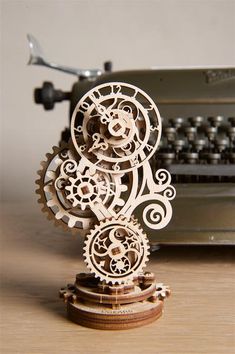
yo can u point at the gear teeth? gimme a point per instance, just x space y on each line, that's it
48 156
59 215
71 223
48 201
48 195
136 227
44 209
43 165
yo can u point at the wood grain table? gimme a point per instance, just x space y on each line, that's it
38 259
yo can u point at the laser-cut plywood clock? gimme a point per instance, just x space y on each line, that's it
95 183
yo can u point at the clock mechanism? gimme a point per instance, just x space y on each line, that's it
95 184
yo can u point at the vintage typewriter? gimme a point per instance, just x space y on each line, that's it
197 106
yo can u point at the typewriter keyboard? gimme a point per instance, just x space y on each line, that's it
198 149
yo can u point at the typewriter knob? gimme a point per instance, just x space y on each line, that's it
47 95
108 65
176 122
196 121
216 121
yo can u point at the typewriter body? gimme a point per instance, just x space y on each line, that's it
197 106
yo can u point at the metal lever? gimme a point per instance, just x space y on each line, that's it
37 58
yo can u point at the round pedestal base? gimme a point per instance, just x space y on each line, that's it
102 306
128 316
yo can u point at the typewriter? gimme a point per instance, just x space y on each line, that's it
197 106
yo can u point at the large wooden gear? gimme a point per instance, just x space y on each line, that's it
116 250
94 184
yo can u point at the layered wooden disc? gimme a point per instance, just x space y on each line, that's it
99 316
98 305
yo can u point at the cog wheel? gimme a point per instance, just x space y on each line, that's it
51 189
162 291
90 189
121 127
116 250
73 198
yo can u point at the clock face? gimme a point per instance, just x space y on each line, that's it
116 127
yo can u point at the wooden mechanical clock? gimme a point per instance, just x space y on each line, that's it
94 184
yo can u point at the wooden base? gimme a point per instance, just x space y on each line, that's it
128 316
102 306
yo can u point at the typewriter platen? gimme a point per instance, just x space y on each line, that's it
197 106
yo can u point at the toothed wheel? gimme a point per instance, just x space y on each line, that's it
117 250
71 194
91 189
51 189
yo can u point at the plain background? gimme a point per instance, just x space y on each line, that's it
133 34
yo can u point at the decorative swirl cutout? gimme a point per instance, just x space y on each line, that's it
163 176
169 193
60 183
156 216
68 167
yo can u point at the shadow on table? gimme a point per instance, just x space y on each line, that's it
44 295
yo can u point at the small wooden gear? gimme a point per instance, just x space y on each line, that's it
94 183
94 304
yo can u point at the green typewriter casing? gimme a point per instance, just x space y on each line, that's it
197 106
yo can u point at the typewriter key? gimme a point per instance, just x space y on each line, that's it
190 157
211 132
213 158
170 133
190 132
196 121
166 157
199 144
231 157
231 134
221 144
216 121
178 144
177 122
232 121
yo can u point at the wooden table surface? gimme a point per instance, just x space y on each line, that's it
38 259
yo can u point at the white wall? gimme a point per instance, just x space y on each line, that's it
134 34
